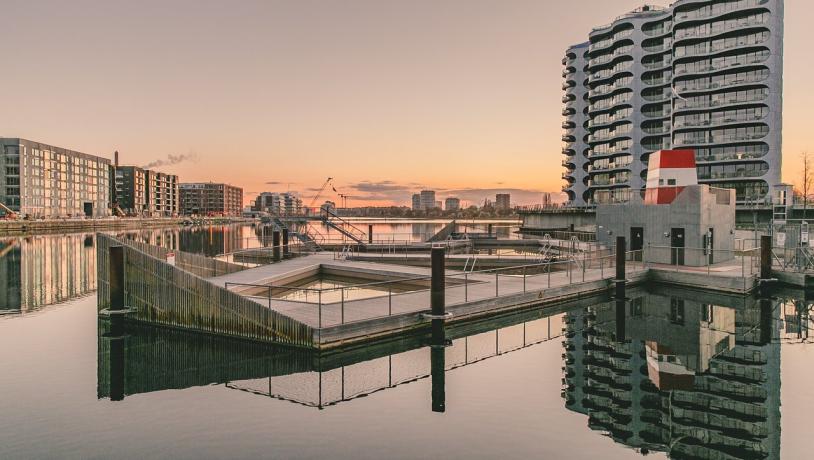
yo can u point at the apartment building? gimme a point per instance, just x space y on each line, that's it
211 199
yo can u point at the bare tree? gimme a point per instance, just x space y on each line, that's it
807 180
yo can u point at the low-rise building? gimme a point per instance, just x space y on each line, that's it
211 199
285 203
43 181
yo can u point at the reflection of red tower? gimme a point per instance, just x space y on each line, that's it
669 171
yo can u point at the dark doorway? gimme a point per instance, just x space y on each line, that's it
88 208
677 246
637 242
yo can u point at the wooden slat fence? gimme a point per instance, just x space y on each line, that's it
168 295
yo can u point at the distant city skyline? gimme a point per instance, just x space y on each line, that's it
462 97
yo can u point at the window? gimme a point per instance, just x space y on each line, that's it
671 181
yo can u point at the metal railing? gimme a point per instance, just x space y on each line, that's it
332 306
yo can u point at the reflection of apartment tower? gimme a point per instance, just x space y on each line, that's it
452 204
427 199
10 276
211 199
416 202
40 180
503 202
43 270
703 379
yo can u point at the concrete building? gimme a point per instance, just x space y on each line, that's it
416 202
427 199
285 203
211 199
678 222
40 180
503 201
701 75
147 193
452 204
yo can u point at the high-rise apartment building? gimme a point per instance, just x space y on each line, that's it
40 180
705 76
427 199
210 199
416 201
503 201
452 204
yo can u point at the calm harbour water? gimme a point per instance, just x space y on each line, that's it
684 374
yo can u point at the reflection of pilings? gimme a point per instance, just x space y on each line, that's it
620 288
437 365
766 323
437 298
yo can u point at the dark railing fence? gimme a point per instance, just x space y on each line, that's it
162 294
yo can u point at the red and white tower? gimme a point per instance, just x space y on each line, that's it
669 171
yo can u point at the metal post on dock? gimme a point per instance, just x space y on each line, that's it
275 243
489 227
765 257
285 241
437 293
370 234
264 236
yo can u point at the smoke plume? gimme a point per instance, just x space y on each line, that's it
172 160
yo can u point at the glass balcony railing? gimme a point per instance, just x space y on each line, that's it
717 9
719 139
715 29
700 123
731 175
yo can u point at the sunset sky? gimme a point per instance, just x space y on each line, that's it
387 97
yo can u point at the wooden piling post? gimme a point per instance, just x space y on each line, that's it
437 284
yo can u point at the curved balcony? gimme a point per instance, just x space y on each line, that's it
568 98
713 86
602 137
656 97
568 152
605 59
718 9
664 46
568 124
740 174
683 105
714 140
608 104
609 167
568 111
659 64
568 138
607 90
606 182
660 28
656 130
724 121
712 50
741 24
610 41
609 152
568 84
729 157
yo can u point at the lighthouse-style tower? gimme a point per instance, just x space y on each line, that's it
669 172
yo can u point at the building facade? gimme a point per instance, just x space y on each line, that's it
427 199
416 201
143 192
503 201
211 199
279 203
452 204
43 181
696 75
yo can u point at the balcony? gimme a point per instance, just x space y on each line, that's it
720 139
568 124
717 10
740 174
568 111
568 98
742 23
717 122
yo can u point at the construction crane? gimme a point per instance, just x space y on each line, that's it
319 193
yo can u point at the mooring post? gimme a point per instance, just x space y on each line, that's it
489 229
116 275
370 234
765 257
437 294
264 236
275 244
285 240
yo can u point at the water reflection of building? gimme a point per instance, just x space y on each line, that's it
682 375
210 240
36 271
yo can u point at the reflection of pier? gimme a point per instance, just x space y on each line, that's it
143 359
